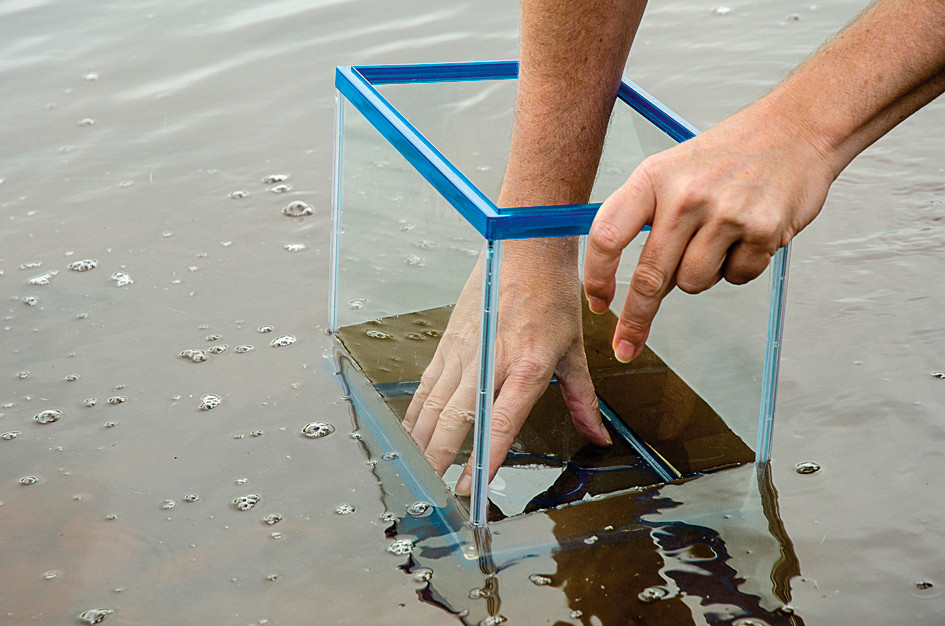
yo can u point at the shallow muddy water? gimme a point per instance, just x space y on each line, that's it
151 138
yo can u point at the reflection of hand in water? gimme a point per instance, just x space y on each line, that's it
539 334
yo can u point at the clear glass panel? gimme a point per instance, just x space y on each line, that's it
691 401
401 246
630 139
715 341
469 122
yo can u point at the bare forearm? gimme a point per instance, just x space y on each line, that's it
572 57
879 70
722 203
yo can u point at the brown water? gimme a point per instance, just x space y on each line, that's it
194 101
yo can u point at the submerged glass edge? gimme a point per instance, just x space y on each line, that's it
769 383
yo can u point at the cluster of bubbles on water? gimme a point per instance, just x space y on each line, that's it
296 208
247 502
656 593
121 279
806 467
94 616
83 265
317 430
540 579
420 509
401 547
48 416
201 355
210 401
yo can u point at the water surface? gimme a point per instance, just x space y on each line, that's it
126 130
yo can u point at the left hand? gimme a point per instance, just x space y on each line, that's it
539 334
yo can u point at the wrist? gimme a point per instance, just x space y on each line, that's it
555 252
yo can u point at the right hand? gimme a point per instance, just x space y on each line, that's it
720 206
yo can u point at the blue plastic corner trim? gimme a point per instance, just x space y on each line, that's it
356 84
655 111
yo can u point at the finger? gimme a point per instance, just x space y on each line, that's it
702 262
452 425
652 280
439 397
746 261
518 395
427 381
618 221
577 389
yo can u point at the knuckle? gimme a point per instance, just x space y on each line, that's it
692 284
444 453
649 281
605 236
632 326
648 171
433 404
503 426
597 285
739 275
763 230
586 396
454 419
692 196
528 368
427 380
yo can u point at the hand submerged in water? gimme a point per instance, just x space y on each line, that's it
539 334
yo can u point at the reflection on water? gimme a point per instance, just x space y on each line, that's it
194 104
710 549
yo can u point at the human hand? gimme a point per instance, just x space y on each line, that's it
539 334
720 206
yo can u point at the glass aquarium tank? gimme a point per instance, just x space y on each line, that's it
420 152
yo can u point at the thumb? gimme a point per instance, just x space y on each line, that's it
579 395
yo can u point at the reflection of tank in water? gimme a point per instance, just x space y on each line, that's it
626 549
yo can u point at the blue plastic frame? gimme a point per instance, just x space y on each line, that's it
357 85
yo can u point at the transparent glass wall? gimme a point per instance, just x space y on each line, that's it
404 253
402 247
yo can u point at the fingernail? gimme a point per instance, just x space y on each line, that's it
605 434
463 485
625 351
596 305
